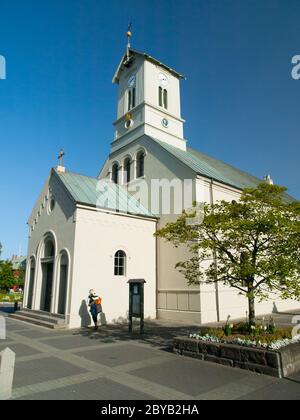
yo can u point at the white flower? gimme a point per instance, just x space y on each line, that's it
231 326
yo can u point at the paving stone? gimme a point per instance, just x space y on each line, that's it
35 333
100 389
190 376
73 342
16 326
20 349
119 355
281 390
43 370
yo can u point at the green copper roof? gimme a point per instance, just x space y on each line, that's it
212 168
101 194
215 169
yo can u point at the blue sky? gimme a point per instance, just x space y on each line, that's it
240 101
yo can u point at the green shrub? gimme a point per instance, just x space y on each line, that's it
11 298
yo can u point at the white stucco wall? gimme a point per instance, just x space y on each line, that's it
99 236
61 227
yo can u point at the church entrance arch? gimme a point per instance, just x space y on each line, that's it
47 274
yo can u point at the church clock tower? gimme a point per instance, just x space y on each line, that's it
148 101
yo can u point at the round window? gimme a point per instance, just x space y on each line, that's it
128 124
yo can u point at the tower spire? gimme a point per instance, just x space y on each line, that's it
129 35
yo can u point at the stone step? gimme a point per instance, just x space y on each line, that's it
22 317
39 312
42 316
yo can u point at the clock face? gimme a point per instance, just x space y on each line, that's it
165 122
131 81
163 79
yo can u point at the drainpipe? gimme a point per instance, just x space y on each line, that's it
215 258
156 270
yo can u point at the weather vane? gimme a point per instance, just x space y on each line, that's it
60 157
129 35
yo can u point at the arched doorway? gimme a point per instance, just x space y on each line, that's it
31 283
47 274
63 283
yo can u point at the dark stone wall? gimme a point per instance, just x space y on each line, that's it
257 360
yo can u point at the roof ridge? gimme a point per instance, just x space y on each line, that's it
74 173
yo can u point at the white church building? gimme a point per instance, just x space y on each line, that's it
98 233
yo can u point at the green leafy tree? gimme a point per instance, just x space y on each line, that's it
252 245
20 280
6 275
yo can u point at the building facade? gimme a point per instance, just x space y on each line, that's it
99 232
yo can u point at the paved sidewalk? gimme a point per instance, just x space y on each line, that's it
114 365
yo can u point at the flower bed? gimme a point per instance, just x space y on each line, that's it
278 363
248 342
261 348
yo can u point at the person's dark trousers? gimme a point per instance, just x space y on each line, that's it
94 315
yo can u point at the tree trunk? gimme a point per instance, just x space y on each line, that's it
251 301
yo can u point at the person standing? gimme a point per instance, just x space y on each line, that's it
95 304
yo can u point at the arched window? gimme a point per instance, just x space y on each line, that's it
140 164
127 168
115 173
131 98
49 249
120 263
163 97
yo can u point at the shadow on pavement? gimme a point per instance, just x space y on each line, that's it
157 336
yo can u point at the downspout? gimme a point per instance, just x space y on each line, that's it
156 270
215 258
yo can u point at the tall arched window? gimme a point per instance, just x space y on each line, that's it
49 249
115 173
140 164
160 96
127 168
120 263
131 98
163 97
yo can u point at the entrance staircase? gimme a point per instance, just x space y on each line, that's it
41 318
